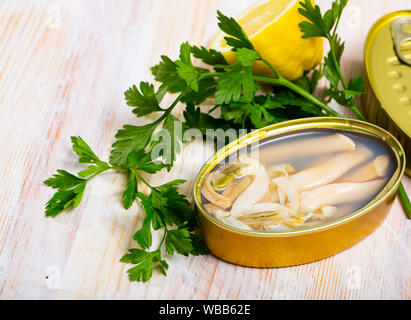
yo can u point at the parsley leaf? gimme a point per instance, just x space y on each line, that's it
62 200
129 139
331 64
93 170
168 207
179 240
246 56
310 84
181 76
141 160
185 68
176 207
208 56
206 88
145 262
338 46
143 236
130 194
86 155
237 37
70 187
164 207
235 112
138 161
149 208
355 87
264 110
194 118
260 117
289 99
331 72
63 180
172 148
198 244
166 143
237 81
145 100
166 73
317 24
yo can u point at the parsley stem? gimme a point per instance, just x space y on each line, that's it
101 171
168 111
163 238
357 112
336 26
245 118
143 180
213 108
268 63
330 38
284 82
405 200
165 115
336 63
209 75
300 91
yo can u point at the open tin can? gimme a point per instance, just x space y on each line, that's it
387 57
278 249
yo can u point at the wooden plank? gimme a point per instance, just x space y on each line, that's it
63 69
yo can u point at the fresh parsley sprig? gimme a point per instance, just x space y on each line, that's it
325 26
71 187
234 86
246 55
165 208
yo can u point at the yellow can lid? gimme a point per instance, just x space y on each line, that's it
388 71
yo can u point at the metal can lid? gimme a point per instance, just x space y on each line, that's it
388 66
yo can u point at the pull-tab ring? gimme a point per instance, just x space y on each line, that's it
401 33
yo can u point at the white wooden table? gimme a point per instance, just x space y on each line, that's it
64 66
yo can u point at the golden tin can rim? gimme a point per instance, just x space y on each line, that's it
296 125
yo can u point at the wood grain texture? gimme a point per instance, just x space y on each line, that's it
64 66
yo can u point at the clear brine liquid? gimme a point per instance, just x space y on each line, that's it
269 153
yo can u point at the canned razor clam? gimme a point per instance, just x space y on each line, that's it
387 58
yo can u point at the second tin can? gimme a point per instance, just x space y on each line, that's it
387 58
